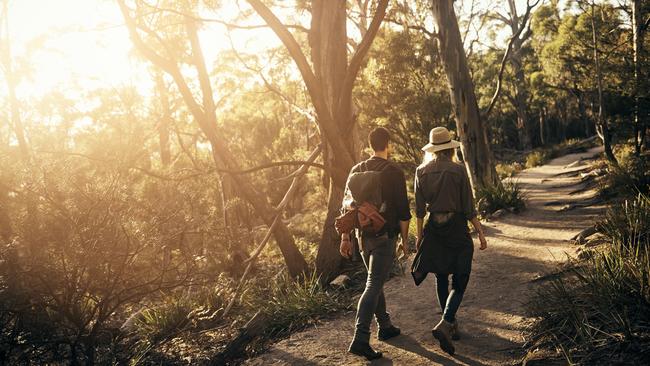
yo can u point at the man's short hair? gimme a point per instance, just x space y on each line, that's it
379 138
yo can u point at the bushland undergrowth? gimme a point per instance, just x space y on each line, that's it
600 312
506 196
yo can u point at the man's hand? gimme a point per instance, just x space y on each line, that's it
405 247
481 237
346 247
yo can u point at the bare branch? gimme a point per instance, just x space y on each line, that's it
272 165
362 50
418 28
292 46
325 119
504 60
280 209
228 25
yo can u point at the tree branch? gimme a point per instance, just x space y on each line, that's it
362 50
325 119
419 28
228 25
199 64
280 209
504 60
292 46
167 65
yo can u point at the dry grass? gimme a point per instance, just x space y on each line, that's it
600 312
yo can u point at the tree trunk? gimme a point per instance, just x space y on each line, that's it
472 133
294 260
521 90
328 42
330 85
165 120
542 130
521 99
11 81
205 115
602 122
637 46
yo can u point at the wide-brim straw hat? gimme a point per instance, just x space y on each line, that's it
440 139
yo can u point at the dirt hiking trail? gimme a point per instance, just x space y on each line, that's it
521 248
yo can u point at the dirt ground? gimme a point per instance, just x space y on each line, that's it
521 248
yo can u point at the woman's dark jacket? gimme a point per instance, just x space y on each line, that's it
442 186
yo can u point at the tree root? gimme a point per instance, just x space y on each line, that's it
581 237
254 328
555 275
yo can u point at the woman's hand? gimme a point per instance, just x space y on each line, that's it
346 247
481 237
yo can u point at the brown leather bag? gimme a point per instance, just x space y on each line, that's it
365 217
370 220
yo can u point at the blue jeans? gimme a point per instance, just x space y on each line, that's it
378 255
450 301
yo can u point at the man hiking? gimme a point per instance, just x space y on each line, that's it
377 239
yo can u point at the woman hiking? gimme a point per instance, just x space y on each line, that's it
444 246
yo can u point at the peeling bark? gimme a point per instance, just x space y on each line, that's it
472 132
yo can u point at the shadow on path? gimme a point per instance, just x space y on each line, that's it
410 344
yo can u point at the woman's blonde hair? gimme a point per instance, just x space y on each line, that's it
447 153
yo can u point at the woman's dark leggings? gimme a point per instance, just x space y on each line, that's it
450 302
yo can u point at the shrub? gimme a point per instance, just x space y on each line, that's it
90 241
629 222
599 314
508 170
292 304
537 158
507 195
160 322
628 178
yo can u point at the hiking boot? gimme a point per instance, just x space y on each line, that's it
363 349
388 333
442 332
455 333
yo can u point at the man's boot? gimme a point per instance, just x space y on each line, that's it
442 332
363 349
388 333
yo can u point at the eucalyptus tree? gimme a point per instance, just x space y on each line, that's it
519 25
330 79
180 49
469 122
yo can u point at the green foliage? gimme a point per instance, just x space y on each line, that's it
537 158
163 321
507 170
507 195
630 177
90 241
601 312
628 223
291 304
405 92
544 155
